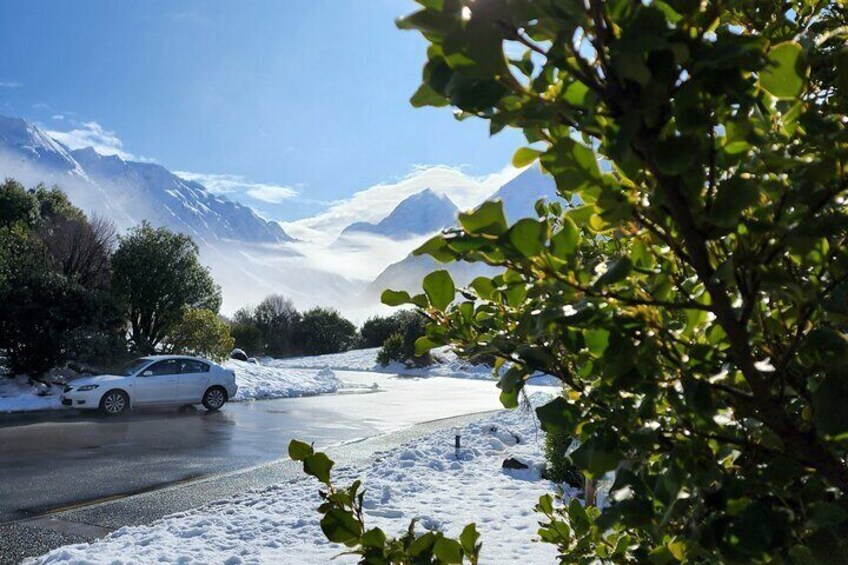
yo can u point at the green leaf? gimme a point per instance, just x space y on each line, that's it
596 341
468 538
528 236
484 287
784 74
509 398
524 156
578 518
826 515
318 465
826 347
597 455
487 219
448 550
558 416
564 242
616 271
842 70
675 155
829 404
422 544
423 345
576 93
299 450
426 96
440 289
375 537
631 65
573 165
732 197
437 248
340 526
661 556
395 297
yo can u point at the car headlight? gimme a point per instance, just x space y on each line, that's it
86 388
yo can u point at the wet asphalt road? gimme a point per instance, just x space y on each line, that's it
57 460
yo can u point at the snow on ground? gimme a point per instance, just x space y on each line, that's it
447 365
423 479
16 395
260 382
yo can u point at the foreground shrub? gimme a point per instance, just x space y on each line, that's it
690 286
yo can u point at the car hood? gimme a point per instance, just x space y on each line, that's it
97 380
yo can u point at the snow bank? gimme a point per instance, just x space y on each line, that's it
447 365
423 479
259 382
16 395
355 360
256 382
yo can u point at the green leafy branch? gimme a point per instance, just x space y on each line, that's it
343 522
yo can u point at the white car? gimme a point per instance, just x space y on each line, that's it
158 380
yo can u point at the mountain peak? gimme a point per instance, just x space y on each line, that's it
421 213
23 141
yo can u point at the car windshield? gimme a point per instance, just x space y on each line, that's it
133 366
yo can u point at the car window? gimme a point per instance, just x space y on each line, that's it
166 367
192 366
134 366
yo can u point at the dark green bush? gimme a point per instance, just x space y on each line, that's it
393 350
324 330
400 345
558 467
248 337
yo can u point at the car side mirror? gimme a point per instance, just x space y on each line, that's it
147 373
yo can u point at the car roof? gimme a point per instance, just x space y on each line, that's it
160 357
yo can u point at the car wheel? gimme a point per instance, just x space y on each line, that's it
114 402
214 398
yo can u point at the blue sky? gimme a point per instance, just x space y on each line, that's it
295 101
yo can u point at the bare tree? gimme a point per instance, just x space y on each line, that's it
80 249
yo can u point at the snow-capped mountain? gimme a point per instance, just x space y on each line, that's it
147 190
127 192
519 197
422 213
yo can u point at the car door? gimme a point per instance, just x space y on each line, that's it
157 384
194 376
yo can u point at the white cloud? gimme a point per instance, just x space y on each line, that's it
58 117
376 202
271 193
11 84
228 184
92 134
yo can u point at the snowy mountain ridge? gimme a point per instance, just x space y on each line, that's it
127 192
